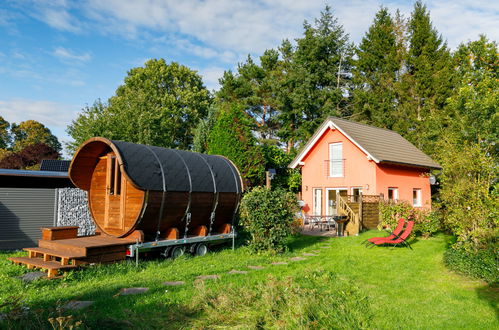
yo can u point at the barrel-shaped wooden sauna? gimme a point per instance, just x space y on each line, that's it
164 193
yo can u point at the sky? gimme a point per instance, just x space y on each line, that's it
57 56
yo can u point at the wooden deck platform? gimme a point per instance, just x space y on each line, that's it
56 255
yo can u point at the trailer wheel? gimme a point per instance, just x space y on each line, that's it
201 249
177 251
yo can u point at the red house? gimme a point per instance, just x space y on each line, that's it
357 159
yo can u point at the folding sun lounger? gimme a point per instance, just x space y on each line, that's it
394 234
402 239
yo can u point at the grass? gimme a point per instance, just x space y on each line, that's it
345 286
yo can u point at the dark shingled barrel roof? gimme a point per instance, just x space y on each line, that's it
155 168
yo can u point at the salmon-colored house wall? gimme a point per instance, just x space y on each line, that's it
359 171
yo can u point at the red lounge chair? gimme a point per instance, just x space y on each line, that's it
402 239
394 234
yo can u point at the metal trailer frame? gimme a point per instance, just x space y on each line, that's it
133 250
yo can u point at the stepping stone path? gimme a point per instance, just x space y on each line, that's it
75 304
310 254
297 259
279 263
128 291
208 277
29 277
316 251
235 271
174 283
256 267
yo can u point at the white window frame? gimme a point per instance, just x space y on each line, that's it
418 202
314 201
395 193
340 173
360 191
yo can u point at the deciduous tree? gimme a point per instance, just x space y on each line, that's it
32 132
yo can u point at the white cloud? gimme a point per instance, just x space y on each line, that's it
51 114
66 54
56 116
210 76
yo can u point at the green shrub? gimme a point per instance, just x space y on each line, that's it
482 264
315 300
426 222
268 216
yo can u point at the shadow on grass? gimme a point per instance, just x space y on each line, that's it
300 242
490 293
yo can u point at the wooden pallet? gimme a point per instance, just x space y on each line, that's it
61 254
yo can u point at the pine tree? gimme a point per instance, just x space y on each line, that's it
427 83
318 79
375 74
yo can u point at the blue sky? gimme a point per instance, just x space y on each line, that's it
56 56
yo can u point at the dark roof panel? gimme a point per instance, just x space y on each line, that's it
55 165
155 168
385 145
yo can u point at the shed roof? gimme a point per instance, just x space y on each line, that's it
379 144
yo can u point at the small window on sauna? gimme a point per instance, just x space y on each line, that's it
111 172
416 197
393 194
117 181
114 177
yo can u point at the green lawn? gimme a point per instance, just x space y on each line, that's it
345 286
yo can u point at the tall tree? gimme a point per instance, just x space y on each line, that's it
377 67
427 83
319 75
158 104
4 133
473 109
32 132
231 137
253 87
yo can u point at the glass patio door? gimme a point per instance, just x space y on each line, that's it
331 199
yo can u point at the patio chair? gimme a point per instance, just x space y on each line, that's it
394 234
400 239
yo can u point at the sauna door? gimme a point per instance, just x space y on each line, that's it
113 218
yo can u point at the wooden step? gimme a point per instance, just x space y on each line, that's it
54 253
51 266
61 247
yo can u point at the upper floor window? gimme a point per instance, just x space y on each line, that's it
416 197
336 160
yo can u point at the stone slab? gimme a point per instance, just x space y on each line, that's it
129 291
256 267
208 277
310 254
32 276
235 271
279 263
297 259
174 283
76 304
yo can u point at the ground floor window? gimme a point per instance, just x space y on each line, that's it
416 197
393 194
356 191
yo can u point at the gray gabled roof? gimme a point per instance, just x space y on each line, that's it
381 145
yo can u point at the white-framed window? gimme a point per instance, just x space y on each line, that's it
393 194
356 191
317 201
336 160
416 197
